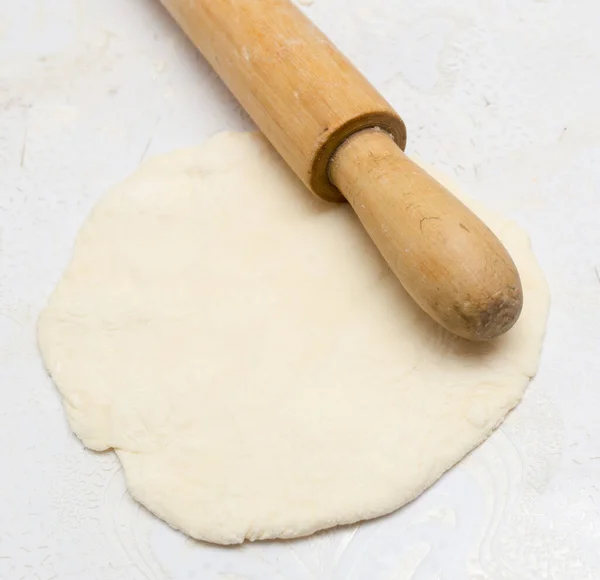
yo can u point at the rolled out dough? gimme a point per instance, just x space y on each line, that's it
247 353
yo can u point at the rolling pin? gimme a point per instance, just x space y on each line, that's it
345 142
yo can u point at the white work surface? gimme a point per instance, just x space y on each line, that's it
502 94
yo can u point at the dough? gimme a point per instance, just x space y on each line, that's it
247 353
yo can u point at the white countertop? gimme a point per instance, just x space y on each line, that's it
504 94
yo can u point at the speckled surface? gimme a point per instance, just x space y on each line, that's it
502 94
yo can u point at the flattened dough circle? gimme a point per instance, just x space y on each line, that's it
251 359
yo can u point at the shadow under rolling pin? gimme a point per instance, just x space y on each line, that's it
346 142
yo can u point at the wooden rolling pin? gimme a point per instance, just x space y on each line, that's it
346 142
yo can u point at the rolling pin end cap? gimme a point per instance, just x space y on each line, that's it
494 317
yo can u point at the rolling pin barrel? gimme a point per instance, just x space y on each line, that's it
298 88
343 140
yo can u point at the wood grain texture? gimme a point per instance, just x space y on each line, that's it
448 260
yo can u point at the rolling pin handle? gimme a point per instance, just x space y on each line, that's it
453 266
